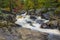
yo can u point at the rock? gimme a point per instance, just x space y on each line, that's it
40 21
2 38
29 22
52 24
22 12
21 34
45 16
3 23
54 37
45 26
28 34
1 17
38 11
44 10
8 17
6 12
30 12
11 18
7 20
58 25
51 9
33 17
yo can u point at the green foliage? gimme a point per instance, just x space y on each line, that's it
4 3
29 4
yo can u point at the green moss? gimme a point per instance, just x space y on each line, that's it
6 24
3 23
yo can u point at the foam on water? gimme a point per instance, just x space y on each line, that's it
35 26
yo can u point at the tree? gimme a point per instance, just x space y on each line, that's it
28 5
12 5
35 2
0 5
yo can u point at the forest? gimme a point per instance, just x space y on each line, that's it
18 5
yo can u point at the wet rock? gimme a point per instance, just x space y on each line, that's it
40 21
33 17
16 25
45 16
22 12
29 22
45 26
54 37
58 25
30 12
50 25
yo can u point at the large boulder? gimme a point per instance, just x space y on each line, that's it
10 18
53 24
16 33
7 20
21 34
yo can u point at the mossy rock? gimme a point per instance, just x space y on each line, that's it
7 20
6 24
3 23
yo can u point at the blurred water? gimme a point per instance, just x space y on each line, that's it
34 24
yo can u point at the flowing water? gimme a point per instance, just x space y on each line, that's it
26 22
